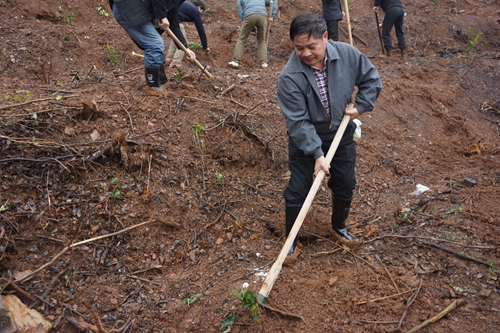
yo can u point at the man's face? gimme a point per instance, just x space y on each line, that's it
311 50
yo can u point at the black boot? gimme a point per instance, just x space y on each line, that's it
339 216
163 77
153 78
291 213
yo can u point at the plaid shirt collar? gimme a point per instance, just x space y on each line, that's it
322 82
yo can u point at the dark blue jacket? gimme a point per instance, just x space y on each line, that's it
138 12
386 4
332 10
188 12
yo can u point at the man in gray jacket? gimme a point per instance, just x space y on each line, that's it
314 91
253 13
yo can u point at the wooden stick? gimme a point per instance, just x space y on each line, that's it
32 101
94 239
408 303
269 15
456 303
275 269
380 34
385 297
346 4
183 48
460 255
390 277
434 239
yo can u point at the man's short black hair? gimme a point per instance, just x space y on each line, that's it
310 24
199 3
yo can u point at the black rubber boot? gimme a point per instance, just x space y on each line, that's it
291 213
163 77
339 216
153 78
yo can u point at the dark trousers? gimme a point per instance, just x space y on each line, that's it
333 30
394 16
342 179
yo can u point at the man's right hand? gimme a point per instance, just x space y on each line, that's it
375 9
320 164
164 24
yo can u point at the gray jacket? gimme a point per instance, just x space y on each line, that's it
249 7
332 10
307 120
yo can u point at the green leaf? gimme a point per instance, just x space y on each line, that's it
229 321
114 180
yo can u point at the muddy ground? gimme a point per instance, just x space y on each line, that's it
85 151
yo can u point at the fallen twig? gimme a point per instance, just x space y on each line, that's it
40 160
170 224
433 239
37 112
460 255
141 279
408 303
456 303
32 101
385 297
390 277
49 288
225 91
11 282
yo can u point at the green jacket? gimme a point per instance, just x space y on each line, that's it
307 120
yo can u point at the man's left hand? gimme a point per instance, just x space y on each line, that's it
351 111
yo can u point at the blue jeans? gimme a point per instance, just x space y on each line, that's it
146 38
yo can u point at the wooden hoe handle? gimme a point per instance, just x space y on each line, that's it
183 48
269 15
276 268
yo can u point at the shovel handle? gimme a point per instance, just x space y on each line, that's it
346 3
183 48
276 268
269 15
379 34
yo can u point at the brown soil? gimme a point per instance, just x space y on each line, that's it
436 123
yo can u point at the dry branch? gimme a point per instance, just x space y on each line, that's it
433 239
460 255
170 224
30 102
408 303
385 297
451 307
